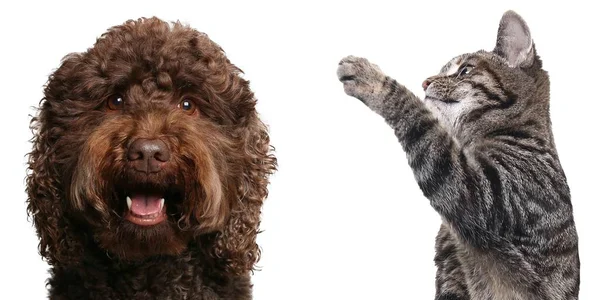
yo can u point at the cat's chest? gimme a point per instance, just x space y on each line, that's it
487 277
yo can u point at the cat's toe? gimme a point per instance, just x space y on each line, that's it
353 68
350 59
348 77
346 69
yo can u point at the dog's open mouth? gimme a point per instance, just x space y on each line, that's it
146 209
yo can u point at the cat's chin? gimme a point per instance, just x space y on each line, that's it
441 112
434 109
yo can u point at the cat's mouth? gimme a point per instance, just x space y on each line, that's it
445 100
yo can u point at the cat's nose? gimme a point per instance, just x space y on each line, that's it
426 83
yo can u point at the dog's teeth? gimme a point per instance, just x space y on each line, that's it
162 203
128 202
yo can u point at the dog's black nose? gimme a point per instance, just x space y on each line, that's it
148 155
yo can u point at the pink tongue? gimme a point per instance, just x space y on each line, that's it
144 205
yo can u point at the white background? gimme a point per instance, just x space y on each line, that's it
345 218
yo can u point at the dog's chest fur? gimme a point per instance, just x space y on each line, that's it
163 278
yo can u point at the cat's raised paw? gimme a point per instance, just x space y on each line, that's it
361 79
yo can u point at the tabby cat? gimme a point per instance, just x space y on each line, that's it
482 151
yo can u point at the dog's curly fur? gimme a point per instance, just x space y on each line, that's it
215 181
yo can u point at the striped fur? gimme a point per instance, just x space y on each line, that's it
481 149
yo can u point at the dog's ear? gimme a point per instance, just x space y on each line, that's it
237 242
45 203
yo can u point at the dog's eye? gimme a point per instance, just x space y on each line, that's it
187 106
116 102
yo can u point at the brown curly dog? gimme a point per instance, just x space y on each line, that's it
149 169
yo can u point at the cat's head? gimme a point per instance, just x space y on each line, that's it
492 89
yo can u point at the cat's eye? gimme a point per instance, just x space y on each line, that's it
115 102
465 70
187 106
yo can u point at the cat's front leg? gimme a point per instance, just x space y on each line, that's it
382 94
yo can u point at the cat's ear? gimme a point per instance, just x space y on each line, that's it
514 41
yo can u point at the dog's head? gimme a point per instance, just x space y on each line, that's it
146 143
